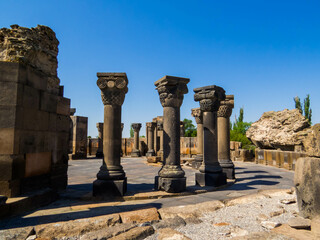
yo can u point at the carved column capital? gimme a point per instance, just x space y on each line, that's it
114 87
160 125
226 106
100 127
151 125
197 114
209 97
171 90
136 126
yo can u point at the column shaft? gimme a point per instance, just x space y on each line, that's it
136 140
171 135
112 140
210 145
224 139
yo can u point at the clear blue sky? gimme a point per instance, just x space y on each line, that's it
263 52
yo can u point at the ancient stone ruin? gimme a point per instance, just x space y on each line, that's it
34 133
211 173
171 91
111 179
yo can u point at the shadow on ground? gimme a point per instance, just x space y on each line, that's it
74 209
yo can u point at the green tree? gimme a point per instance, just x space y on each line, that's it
238 131
131 132
307 109
297 103
189 129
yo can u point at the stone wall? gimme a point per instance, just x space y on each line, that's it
239 154
278 158
188 146
34 115
79 129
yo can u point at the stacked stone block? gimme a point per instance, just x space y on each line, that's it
79 137
34 131
34 115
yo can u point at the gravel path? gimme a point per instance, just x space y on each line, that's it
241 219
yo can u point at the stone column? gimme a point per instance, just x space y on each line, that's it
150 128
197 114
111 179
182 129
136 152
224 113
99 153
171 91
210 170
160 131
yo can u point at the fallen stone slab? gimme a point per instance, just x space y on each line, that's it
270 224
140 216
108 232
135 233
170 223
244 200
171 234
276 192
190 211
277 213
263 236
299 223
76 227
286 230
16 233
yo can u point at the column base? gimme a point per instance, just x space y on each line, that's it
171 185
229 171
150 153
109 188
197 161
135 153
211 179
99 155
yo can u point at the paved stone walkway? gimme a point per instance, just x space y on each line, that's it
250 179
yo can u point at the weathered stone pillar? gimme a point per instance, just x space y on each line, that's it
197 114
210 170
136 152
171 176
99 153
224 113
182 129
160 131
150 129
111 179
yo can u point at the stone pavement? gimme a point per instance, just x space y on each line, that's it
250 179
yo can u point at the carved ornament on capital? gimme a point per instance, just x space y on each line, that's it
136 126
171 90
226 106
151 125
197 114
113 86
160 125
209 97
